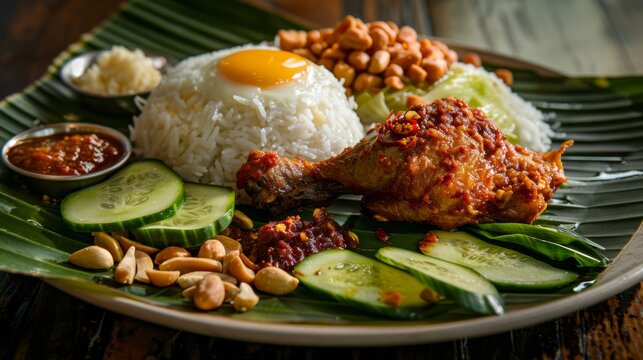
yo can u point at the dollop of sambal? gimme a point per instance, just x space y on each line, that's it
286 242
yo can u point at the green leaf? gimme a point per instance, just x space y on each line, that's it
554 242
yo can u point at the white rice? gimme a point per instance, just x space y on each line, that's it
203 127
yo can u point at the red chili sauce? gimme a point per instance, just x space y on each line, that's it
66 154
285 243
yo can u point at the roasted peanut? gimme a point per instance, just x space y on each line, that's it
143 263
305 53
110 244
169 253
359 60
394 70
209 293
231 291
441 46
506 76
414 100
229 243
434 53
227 259
162 278
275 281
393 26
126 269
291 39
379 62
473 59
212 249
189 279
416 74
396 50
334 53
344 71
246 299
407 35
394 82
313 36
126 243
328 63
390 32
425 47
318 48
435 68
408 58
325 33
344 25
355 38
415 46
365 81
242 220
92 257
240 271
380 38
190 264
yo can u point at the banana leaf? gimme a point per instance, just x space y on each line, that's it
602 200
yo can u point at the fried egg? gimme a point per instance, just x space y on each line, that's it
264 72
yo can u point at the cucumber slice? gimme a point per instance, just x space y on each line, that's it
207 210
455 282
505 268
362 282
141 193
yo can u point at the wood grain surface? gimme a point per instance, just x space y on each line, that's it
575 36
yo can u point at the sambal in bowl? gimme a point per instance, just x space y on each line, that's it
59 158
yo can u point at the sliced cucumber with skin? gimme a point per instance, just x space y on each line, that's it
363 282
455 282
141 193
207 210
505 268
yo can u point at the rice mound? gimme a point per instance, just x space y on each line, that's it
205 132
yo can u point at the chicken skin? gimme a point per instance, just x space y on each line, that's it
443 164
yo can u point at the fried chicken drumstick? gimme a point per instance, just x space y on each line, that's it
444 164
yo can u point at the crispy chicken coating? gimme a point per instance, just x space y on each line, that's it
443 163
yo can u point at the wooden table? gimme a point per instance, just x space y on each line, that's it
576 37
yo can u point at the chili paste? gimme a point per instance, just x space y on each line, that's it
66 154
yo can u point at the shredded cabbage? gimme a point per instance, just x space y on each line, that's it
520 121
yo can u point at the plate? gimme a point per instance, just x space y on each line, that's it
605 202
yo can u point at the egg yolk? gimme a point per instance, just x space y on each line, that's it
263 68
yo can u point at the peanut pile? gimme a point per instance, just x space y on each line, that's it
219 273
372 55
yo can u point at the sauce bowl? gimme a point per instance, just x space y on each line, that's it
57 186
